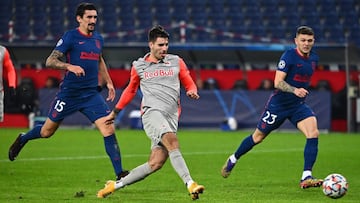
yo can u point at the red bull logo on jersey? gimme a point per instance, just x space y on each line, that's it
89 56
159 73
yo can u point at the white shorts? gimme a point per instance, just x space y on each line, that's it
156 123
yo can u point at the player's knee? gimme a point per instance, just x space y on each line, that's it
314 134
156 165
258 136
46 133
106 130
156 162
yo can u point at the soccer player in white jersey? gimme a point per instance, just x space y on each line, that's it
159 75
7 70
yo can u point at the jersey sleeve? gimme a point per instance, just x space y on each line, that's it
284 62
64 43
130 90
9 69
185 77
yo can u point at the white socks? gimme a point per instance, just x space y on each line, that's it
233 159
306 174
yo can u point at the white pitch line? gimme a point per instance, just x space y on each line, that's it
142 155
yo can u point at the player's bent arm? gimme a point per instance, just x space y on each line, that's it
104 74
124 100
187 81
53 61
9 68
279 82
103 71
185 78
129 92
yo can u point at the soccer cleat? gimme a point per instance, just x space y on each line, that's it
16 147
227 167
122 174
310 182
195 190
107 190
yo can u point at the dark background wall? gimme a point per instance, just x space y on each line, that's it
117 56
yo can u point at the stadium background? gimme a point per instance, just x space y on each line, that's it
223 41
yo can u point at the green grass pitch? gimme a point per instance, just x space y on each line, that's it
74 161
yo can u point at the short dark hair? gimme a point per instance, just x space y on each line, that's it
305 30
157 31
84 6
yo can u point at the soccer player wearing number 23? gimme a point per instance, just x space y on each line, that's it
292 78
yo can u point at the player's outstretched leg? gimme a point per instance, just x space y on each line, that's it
310 182
195 190
16 147
227 167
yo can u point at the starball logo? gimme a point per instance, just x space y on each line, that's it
159 73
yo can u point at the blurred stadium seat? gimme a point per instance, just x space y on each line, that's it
162 15
57 19
6 8
265 18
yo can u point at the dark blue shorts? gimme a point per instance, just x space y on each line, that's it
273 118
92 106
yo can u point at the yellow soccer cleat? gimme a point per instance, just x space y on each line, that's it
107 190
310 182
195 190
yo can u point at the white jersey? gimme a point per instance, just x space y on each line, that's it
160 83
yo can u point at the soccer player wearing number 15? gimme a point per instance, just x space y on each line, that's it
78 92
292 78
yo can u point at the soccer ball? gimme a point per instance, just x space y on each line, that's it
335 186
